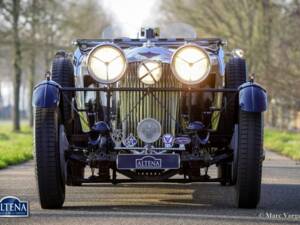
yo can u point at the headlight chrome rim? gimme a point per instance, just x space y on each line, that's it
91 72
144 64
178 77
141 134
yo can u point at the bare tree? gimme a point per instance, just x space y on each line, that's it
17 63
268 31
31 80
11 11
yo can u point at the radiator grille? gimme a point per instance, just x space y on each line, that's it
162 106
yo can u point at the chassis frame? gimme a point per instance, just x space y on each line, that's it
44 96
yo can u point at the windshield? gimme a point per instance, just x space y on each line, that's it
172 30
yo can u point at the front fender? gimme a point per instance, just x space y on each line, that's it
46 94
252 97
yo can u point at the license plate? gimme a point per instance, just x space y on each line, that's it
148 162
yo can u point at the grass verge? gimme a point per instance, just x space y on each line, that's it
283 142
15 147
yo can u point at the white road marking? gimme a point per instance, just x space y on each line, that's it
154 214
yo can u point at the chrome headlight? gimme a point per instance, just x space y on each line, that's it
149 72
106 63
149 130
190 64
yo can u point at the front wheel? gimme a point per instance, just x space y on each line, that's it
249 159
51 185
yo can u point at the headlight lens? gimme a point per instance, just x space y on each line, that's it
106 63
149 130
190 64
149 72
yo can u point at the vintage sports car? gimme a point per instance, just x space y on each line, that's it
156 108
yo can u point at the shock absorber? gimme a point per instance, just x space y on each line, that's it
91 113
99 145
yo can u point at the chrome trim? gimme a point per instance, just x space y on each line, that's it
143 53
142 149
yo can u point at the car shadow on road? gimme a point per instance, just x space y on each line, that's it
213 197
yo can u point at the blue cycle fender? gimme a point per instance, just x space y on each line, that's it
252 97
46 94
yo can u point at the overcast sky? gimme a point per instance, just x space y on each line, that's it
135 13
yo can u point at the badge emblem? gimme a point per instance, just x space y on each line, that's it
168 140
117 137
182 141
148 54
130 141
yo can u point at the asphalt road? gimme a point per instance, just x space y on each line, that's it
155 204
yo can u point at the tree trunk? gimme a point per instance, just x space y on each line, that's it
31 84
32 58
17 64
268 37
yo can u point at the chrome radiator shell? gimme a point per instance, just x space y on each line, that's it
162 106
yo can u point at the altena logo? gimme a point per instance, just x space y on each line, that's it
11 206
148 162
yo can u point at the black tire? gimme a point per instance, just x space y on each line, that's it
63 74
235 75
249 164
50 182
